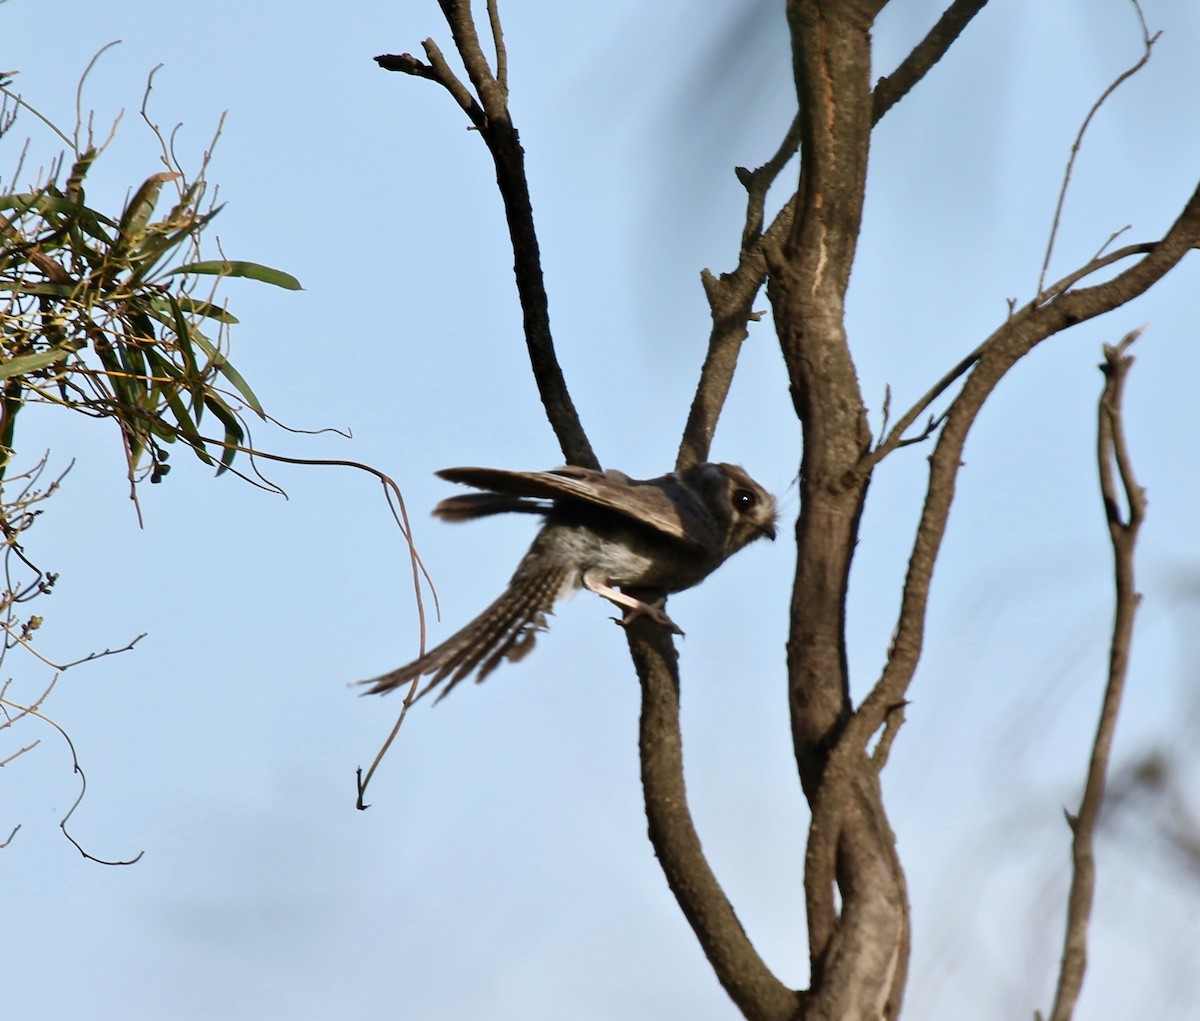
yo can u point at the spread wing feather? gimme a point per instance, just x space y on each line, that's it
662 504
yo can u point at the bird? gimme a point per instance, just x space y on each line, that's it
600 530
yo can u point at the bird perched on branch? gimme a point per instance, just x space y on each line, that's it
600 530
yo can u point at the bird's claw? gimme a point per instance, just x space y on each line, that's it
655 613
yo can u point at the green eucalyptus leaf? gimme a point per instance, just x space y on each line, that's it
242 269
46 290
23 364
233 429
183 339
229 372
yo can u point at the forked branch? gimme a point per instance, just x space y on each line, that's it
731 295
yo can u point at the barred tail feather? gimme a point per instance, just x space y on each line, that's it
505 630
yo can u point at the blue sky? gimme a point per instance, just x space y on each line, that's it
503 870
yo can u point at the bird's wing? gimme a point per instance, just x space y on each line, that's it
661 504
470 506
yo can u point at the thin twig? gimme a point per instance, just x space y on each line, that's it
1148 42
24 642
5 704
730 300
758 182
895 438
19 752
1112 452
1099 262
78 769
363 782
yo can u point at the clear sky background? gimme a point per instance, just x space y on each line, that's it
503 871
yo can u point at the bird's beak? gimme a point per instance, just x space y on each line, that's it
769 530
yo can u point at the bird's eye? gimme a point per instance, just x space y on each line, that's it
744 500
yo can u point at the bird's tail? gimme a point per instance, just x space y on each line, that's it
505 630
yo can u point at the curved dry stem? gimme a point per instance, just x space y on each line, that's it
1148 42
396 505
78 770
79 102
362 781
398 508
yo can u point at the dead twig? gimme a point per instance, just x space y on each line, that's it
1123 525
1148 42
32 710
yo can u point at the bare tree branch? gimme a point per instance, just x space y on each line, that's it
489 114
894 87
493 9
1112 449
827 511
854 887
895 438
759 995
492 94
856 897
730 300
861 961
437 70
1098 262
1027 328
731 295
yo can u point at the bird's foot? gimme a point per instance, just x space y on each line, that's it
655 613
593 581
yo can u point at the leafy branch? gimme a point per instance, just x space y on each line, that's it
113 318
105 317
